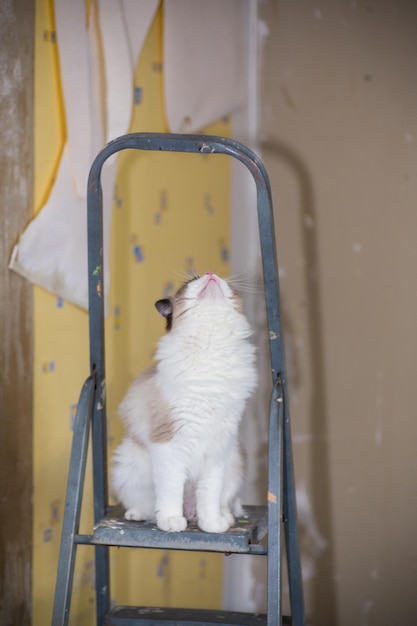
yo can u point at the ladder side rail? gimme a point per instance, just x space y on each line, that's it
97 365
290 526
202 144
191 144
73 501
276 419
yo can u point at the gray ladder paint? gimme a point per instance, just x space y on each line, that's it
110 528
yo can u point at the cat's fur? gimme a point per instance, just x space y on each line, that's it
181 457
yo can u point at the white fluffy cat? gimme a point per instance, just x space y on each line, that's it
181 457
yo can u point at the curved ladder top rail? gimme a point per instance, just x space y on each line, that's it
198 144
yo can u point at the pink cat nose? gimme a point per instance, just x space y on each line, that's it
209 274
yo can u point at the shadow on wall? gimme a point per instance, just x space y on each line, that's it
323 603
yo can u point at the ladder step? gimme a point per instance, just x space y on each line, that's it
148 616
244 537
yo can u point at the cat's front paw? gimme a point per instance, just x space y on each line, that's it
216 524
173 524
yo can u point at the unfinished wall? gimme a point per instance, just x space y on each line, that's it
168 211
16 123
339 126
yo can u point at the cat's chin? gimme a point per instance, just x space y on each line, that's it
211 286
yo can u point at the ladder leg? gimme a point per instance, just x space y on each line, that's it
99 441
290 525
274 608
102 583
73 502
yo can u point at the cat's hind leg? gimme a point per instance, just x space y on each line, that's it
132 480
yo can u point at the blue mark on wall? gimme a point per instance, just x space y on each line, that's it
203 569
116 198
168 290
207 204
163 205
162 565
163 200
189 264
49 35
224 252
138 95
55 512
116 317
73 413
88 577
138 253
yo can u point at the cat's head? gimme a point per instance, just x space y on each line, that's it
208 290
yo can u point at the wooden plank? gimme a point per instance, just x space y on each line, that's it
16 171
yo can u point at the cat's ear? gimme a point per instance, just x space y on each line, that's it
164 307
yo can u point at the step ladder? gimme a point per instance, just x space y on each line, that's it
259 531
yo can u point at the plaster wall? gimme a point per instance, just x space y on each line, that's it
339 139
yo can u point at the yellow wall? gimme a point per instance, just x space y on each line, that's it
168 211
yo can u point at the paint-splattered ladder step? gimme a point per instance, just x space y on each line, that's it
244 537
141 616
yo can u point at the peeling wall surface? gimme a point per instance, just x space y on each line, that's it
169 212
339 139
16 123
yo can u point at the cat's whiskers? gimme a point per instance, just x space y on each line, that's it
247 288
244 281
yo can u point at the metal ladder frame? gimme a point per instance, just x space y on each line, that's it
91 412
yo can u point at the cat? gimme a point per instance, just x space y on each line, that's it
181 459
